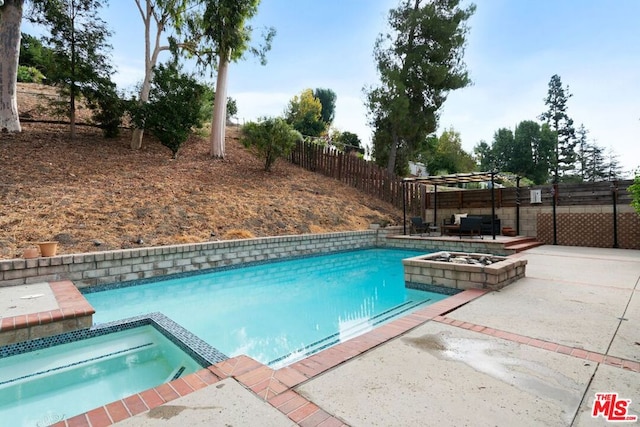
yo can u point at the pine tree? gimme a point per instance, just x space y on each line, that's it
419 62
559 121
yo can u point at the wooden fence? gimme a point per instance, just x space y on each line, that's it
376 181
582 194
359 173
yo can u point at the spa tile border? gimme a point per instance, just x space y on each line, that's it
580 353
200 351
71 305
273 386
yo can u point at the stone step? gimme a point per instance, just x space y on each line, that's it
523 244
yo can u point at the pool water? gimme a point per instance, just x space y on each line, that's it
277 312
42 387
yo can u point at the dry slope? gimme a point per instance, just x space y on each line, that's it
94 194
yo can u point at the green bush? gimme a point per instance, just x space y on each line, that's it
29 75
108 108
270 138
174 107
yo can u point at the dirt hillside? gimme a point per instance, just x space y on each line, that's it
94 194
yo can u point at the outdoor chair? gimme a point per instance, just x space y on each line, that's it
471 226
419 226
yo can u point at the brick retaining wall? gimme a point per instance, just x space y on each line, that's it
98 268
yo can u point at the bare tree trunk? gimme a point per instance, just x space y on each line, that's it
149 62
219 121
72 114
10 19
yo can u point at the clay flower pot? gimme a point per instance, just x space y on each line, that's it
30 253
48 248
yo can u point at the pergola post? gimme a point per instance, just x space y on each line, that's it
493 205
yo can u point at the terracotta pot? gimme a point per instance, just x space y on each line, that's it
48 248
30 253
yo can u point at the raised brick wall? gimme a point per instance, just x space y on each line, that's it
98 268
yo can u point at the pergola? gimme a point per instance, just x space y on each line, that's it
458 178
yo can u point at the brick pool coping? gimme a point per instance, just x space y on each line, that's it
73 313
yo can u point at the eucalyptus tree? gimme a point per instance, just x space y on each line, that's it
419 62
224 37
160 17
10 20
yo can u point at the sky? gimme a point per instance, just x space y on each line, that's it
513 49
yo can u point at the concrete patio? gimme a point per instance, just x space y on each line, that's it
532 354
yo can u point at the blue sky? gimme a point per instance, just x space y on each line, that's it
514 47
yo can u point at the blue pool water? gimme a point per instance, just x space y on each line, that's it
277 312
44 386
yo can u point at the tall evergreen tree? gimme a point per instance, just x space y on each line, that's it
502 147
419 62
559 121
595 163
484 156
327 98
582 144
613 163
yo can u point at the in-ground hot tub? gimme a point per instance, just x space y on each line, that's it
460 270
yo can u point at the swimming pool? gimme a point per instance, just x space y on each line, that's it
277 312
47 385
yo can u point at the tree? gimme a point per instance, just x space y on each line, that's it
349 142
449 157
557 118
502 147
171 91
10 19
304 114
225 37
78 38
595 163
542 150
327 99
270 138
34 54
582 144
615 168
208 100
484 157
419 62
163 15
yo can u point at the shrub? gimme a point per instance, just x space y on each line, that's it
108 108
29 75
270 138
174 107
